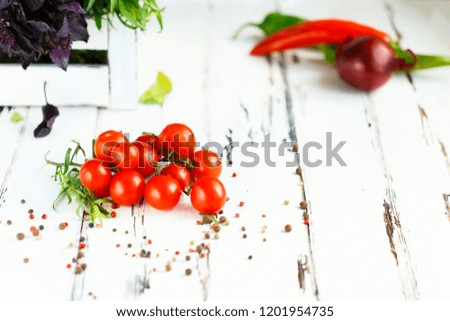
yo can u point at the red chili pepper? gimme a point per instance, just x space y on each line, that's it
314 33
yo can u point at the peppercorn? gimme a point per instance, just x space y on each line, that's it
30 211
243 228
303 205
78 270
286 202
20 236
9 222
199 249
250 257
41 227
244 236
80 255
188 272
216 228
129 245
207 236
91 225
288 228
188 258
62 226
26 260
206 219
114 229
22 201
222 219
298 171
35 232
168 266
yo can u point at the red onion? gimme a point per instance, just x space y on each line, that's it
368 62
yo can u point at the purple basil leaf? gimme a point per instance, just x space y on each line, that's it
71 6
49 112
78 28
60 56
33 5
64 31
30 29
5 3
39 26
42 130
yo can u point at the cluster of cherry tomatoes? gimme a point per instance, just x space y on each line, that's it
170 163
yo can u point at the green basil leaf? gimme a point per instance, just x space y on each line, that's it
272 23
158 91
90 5
422 61
112 5
16 117
427 62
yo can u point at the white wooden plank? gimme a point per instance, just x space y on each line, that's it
122 62
417 149
46 275
80 85
242 99
174 230
12 134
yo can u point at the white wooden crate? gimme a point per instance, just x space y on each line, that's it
113 85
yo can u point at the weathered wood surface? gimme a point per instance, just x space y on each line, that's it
378 227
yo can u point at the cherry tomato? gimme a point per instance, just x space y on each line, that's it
178 139
125 155
96 177
127 187
179 172
162 192
206 163
148 159
151 140
105 141
208 195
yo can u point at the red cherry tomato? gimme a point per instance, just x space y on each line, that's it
125 155
148 159
179 172
206 163
208 195
151 140
178 139
96 177
105 141
162 192
127 187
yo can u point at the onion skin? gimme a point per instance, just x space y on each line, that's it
367 62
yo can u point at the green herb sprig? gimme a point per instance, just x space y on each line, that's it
67 175
134 14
